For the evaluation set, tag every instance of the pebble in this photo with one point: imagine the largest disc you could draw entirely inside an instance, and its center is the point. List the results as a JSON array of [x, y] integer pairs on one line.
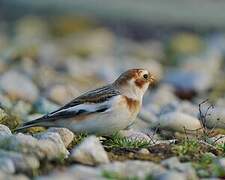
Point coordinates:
[[163, 95], [22, 163], [6, 176], [178, 121], [135, 135], [216, 119], [62, 93], [65, 134], [171, 163], [45, 106], [7, 165], [52, 144], [134, 168], [171, 175], [186, 169], [90, 152], [4, 131], [11, 82], [189, 81], [49, 145]]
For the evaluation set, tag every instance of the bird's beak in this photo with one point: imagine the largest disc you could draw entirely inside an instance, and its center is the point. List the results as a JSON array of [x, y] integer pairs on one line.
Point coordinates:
[[152, 79]]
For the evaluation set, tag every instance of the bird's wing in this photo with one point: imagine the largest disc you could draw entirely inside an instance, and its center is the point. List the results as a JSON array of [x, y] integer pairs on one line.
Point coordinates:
[[95, 101]]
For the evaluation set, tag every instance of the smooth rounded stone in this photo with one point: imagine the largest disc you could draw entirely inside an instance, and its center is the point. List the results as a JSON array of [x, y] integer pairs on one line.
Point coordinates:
[[7, 165], [135, 135], [139, 125], [188, 108], [95, 42], [6, 101], [45, 106], [50, 54], [221, 162], [48, 146], [171, 175], [85, 172], [133, 168], [177, 121], [22, 162], [18, 86], [143, 151], [147, 116], [186, 43], [188, 170], [65, 134], [162, 96], [62, 93], [78, 171], [189, 80], [171, 163], [6, 176], [52, 144], [216, 119], [4, 131], [170, 107], [90, 152], [211, 58], [22, 108]]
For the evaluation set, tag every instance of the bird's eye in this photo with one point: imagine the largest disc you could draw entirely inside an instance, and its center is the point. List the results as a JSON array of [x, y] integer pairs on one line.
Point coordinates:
[[145, 76]]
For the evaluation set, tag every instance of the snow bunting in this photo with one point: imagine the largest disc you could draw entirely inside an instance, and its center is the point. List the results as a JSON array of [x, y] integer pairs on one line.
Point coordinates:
[[102, 111]]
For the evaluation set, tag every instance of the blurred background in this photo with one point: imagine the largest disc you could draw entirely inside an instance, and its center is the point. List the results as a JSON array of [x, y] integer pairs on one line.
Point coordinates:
[[51, 51]]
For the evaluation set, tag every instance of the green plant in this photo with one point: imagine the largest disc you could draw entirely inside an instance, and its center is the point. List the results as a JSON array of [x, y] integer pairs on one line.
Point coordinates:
[[77, 139], [222, 147], [186, 147], [117, 141]]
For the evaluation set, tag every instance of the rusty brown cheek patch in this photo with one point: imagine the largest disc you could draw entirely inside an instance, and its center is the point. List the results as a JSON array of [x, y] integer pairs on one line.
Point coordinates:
[[139, 83], [133, 105]]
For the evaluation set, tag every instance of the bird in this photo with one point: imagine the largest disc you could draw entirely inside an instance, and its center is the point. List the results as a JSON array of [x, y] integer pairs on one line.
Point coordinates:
[[102, 111]]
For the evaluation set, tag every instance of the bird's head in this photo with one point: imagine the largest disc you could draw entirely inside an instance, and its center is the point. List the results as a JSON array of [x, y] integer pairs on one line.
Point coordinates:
[[134, 83]]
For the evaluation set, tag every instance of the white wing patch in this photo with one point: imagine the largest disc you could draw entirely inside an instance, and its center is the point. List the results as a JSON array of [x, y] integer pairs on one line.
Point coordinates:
[[84, 109]]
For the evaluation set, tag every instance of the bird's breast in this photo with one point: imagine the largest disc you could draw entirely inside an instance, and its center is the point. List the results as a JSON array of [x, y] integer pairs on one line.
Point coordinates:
[[132, 105]]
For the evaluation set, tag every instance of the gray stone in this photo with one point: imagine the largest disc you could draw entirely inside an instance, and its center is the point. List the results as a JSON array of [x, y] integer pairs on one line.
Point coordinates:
[[188, 108], [44, 106], [18, 86], [4, 131], [7, 165], [90, 152], [6, 176], [48, 146], [216, 119], [22, 108], [52, 144], [178, 121], [79, 171], [135, 135], [171, 175], [22, 163], [171, 163], [65, 134], [186, 169], [134, 168], [222, 162], [189, 80]]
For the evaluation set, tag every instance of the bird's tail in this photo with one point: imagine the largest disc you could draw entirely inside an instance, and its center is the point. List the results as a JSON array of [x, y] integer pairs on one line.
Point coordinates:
[[34, 123]]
